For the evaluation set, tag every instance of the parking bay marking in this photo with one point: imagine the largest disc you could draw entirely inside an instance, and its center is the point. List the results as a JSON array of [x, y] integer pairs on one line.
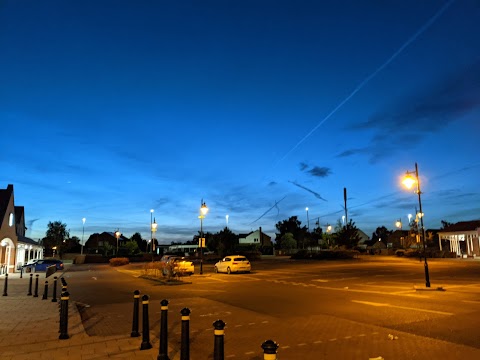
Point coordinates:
[[402, 307]]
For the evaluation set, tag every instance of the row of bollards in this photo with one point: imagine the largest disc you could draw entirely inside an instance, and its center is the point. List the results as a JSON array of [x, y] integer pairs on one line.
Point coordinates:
[[64, 297], [269, 347]]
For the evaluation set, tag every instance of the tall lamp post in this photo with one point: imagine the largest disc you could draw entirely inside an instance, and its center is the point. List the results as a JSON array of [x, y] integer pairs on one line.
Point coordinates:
[[203, 212], [398, 224], [117, 235], [83, 233], [411, 177], [153, 229]]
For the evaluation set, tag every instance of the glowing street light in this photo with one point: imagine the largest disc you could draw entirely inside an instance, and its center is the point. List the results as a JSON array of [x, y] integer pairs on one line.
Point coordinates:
[[226, 218], [154, 230], [398, 223], [203, 212], [411, 177], [117, 235]]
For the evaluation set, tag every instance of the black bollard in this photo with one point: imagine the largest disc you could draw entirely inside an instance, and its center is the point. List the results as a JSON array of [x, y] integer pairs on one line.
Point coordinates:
[[5, 285], [185, 346], [30, 285], [163, 351], [21, 272], [64, 315], [269, 350], [45, 291], [136, 300], [218, 348], [35, 294], [54, 292], [145, 327]]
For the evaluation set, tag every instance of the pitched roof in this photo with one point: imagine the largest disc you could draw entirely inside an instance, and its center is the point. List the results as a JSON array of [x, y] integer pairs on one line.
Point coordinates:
[[463, 226], [5, 196], [26, 240]]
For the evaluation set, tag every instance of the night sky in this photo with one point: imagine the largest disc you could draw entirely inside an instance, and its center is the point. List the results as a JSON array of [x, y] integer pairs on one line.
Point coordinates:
[[261, 108]]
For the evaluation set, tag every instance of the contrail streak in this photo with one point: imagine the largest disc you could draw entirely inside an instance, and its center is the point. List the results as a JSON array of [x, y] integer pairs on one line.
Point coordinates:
[[372, 75]]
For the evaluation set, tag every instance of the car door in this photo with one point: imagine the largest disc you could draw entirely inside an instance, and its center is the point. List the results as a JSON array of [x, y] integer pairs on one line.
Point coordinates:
[[40, 265], [224, 264]]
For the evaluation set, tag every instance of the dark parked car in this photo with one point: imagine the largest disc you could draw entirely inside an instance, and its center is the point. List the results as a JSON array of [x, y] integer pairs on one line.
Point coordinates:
[[42, 264]]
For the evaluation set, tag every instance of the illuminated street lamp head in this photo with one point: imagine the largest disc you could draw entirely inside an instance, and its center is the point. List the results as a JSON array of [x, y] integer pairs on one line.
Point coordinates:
[[306, 208], [398, 223], [117, 234], [154, 225], [203, 209], [329, 228], [83, 220], [409, 180]]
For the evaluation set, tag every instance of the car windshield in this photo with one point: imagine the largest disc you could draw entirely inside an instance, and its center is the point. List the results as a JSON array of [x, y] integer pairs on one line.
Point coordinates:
[[240, 259]]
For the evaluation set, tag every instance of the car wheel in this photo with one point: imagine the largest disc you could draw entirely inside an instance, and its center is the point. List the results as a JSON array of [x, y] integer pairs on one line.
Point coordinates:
[[228, 270], [215, 270]]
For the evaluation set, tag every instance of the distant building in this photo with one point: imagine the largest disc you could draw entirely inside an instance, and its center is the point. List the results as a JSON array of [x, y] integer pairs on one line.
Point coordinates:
[[462, 238], [16, 249], [256, 237], [104, 243]]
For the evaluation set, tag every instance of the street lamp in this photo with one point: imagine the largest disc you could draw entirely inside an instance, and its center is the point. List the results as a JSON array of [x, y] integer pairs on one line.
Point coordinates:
[[203, 212], [411, 177], [151, 232], [117, 235], [153, 229], [398, 224], [83, 233], [226, 218]]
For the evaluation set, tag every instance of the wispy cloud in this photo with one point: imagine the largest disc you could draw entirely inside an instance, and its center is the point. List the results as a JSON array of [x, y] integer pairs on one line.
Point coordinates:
[[430, 112], [317, 195], [318, 171]]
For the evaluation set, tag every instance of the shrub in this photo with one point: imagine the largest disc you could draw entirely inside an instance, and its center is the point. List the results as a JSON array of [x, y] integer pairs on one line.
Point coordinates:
[[118, 261]]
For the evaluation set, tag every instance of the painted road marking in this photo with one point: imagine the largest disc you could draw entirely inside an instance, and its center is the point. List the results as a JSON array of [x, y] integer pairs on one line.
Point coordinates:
[[401, 307]]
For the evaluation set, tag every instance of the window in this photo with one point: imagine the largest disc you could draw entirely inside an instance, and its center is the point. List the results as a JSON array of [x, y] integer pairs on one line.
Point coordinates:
[[10, 220]]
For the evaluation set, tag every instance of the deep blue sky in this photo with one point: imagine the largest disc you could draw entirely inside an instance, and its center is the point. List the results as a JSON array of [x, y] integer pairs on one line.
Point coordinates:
[[111, 108]]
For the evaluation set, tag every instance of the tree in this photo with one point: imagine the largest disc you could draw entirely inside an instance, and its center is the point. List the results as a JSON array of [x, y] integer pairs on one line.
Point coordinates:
[[141, 244], [223, 242], [131, 247], [56, 236], [445, 224], [347, 235], [293, 226], [288, 242], [381, 234]]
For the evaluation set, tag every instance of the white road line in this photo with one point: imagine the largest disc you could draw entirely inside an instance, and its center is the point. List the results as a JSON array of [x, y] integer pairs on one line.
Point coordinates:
[[265, 322], [347, 337], [250, 353], [402, 307], [334, 339], [285, 347], [302, 344], [471, 301], [318, 342]]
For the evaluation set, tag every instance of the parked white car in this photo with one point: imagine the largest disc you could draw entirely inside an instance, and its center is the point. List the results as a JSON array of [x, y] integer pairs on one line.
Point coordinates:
[[233, 263]]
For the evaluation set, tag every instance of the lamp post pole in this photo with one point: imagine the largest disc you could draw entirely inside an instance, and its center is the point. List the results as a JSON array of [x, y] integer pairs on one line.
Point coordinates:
[[203, 212], [408, 182], [117, 235], [83, 233], [151, 232], [427, 275]]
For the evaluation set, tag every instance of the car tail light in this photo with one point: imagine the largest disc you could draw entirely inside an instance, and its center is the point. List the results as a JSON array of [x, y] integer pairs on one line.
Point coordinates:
[[234, 263]]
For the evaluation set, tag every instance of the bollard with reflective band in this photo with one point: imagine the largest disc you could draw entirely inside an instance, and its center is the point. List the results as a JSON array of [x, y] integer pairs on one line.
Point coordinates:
[[136, 301], [35, 294], [64, 316], [163, 350], [185, 345], [54, 292], [5, 285], [269, 350], [145, 326], [218, 346], [30, 285], [45, 291]]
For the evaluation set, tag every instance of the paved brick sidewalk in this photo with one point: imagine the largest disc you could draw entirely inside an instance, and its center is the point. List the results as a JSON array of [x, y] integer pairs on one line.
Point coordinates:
[[29, 328]]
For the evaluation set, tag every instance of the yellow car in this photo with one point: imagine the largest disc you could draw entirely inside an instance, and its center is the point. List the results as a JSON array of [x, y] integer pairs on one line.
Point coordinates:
[[233, 263]]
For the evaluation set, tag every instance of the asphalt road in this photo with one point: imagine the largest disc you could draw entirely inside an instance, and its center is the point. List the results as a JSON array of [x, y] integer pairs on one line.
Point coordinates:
[[296, 303]]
